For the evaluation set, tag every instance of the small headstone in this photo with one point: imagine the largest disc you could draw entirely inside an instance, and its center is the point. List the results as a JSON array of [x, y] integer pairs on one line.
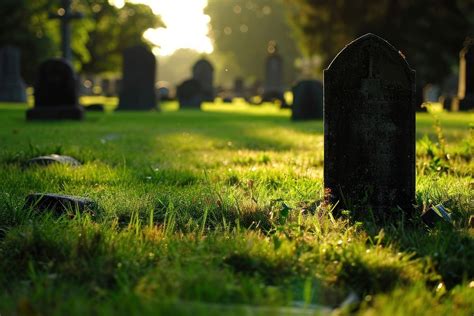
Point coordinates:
[[203, 72], [239, 88], [12, 87], [369, 128], [50, 159], [307, 100], [137, 91], [189, 94], [273, 88], [431, 93], [466, 77], [108, 88], [56, 93], [449, 91], [435, 215], [164, 94], [60, 204]]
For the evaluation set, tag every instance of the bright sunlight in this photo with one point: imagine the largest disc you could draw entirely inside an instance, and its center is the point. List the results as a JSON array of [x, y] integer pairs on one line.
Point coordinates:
[[186, 25]]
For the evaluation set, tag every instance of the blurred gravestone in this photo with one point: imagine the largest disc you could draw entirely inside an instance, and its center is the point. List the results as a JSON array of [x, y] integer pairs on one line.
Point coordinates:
[[273, 85], [137, 91], [431, 93], [239, 88], [12, 87], [189, 94], [204, 73], [307, 100], [449, 91], [466, 77], [369, 127], [108, 87], [56, 93]]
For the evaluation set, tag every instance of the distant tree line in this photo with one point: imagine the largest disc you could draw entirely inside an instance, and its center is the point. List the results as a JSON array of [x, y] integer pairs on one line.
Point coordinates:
[[430, 33]]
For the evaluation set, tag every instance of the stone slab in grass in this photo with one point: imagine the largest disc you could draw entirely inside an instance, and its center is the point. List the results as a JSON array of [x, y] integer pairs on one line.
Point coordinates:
[[51, 159], [60, 204]]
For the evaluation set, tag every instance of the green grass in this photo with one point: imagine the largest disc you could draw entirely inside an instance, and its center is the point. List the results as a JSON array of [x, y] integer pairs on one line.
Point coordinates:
[[202, 210]]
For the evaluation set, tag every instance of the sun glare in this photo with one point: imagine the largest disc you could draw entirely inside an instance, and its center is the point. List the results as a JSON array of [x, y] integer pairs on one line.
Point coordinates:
[[186, 26]]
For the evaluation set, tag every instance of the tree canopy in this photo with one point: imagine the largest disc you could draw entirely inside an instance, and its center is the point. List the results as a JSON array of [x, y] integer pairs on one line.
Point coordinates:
[[98, 38], [429, 33], [242, 29]]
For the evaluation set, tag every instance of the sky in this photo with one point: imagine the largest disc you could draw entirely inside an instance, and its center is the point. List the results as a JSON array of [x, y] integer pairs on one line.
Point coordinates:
[[186, 25]]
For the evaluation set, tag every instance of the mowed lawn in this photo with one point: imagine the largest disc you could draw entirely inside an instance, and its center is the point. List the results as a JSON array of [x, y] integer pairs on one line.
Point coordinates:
[[218, 212]]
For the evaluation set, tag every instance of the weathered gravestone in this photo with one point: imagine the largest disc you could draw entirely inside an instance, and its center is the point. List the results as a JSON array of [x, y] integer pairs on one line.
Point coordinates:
[[137, 91], [56, 93], [273, 88], [369, 127], [12, 87], [204, 73], [189, 94], [466, 77], [307, 100]]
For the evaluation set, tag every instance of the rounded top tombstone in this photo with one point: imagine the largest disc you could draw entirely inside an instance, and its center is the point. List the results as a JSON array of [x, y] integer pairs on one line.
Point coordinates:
[[369, 126], [56, 84]]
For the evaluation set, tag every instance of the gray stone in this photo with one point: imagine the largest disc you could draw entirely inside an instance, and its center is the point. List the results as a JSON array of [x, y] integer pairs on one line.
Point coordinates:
[[12, 87], [50, 159], [189, 94], [60, 204], [273, 88], [369, 128], [203, 72], [239, 88], [137, 91], [307, 100], [56, 93], [466, 77]]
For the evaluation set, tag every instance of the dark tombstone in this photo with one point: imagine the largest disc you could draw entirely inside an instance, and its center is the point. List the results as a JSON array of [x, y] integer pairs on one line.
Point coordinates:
[[52, 159], [189, 94], [55, 93], [204, 73], [239, 88], [108, 87], [273, 85], [164, 94], [137, 91], [60, 204], [449, 91], [307, 100], [369, 128], [12, 87], [431, 93], [466, 77]]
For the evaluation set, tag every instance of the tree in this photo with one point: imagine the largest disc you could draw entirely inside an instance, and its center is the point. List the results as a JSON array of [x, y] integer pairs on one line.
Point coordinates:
[[242, 29], [429, 33], [113, 30], [98, 38]]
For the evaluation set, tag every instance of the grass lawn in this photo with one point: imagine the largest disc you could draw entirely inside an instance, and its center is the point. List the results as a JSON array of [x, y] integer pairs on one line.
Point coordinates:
[[218, 212]]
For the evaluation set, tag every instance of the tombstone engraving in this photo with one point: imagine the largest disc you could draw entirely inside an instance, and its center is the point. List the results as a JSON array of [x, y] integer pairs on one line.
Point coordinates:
[[137, 88], [466, 77], [12, 87], [189, 94], [55, 93], [369, 128], [307, 100], [203, 71], [273, 88]]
